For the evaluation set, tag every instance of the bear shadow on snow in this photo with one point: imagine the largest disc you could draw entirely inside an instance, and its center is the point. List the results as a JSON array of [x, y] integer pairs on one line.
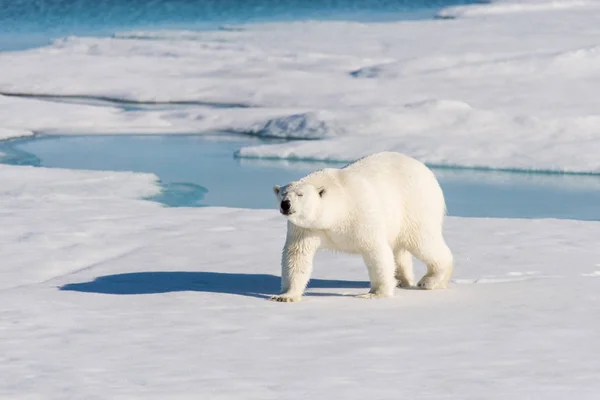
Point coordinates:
[[252, 285]]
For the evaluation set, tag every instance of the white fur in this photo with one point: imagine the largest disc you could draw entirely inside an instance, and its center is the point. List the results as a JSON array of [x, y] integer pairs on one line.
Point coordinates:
[[386, 207]]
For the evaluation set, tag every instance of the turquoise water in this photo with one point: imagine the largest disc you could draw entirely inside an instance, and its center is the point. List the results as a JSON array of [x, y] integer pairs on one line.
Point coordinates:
[[201, 171], [25, 16], [29, 23], [198, 171]]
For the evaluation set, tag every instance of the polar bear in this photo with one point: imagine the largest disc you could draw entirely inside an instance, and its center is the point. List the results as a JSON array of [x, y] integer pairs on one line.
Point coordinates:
[[385, 207]]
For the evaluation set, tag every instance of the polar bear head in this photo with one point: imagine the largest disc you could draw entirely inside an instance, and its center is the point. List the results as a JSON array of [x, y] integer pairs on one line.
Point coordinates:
[[302, 203]]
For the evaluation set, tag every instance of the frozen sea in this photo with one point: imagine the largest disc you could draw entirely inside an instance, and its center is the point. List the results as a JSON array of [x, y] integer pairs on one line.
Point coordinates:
[[202, 170], [139, 243]]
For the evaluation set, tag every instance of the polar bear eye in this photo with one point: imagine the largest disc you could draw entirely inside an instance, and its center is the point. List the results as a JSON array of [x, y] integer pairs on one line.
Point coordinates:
[[321, 192], [299, 194]]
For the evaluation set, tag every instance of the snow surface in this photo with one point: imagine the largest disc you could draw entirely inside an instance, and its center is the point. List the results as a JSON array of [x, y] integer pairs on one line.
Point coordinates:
[[511, 84], [6, 133], [105, 296], [514, 6], [22, 116]]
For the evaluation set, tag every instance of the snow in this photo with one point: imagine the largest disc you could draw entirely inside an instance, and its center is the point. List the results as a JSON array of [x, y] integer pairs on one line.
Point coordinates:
[[6, 133], [514, 6], [507, 85], [45, 213], [23, 116], [103, 295]]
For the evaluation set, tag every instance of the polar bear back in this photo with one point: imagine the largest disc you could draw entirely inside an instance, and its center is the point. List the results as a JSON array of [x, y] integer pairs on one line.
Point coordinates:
[[386, 191]]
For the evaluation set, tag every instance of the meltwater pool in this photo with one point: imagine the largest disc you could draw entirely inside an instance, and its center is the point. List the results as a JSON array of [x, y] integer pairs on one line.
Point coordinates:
[[200, 170]]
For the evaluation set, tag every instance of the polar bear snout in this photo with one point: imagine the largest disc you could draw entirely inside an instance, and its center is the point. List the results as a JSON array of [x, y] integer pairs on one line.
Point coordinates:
[[286, 207]]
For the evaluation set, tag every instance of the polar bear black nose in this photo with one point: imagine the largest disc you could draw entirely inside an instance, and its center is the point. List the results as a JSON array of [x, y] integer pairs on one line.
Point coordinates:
[[285, 206]]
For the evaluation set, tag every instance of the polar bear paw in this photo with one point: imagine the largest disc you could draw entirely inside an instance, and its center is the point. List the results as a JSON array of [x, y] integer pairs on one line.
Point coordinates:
[[285, 298], [432, 283], [404, 284], [376, 295]]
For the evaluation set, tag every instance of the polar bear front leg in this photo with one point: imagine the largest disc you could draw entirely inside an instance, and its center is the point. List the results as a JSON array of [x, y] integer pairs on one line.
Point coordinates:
[[382, 267], [296, 267]]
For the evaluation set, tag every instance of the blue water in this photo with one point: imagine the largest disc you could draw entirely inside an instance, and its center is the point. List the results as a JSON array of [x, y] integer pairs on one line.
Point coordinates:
[[198, 171], [201, 171], [28, 23]]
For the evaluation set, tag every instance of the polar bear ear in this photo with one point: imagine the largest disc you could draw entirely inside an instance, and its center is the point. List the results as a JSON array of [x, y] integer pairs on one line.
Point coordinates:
[[321, 192], [276, 189]]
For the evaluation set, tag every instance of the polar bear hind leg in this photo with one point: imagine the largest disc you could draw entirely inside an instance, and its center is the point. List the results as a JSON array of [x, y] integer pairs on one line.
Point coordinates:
[[436, 255], [381, 267], [404, 267]]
